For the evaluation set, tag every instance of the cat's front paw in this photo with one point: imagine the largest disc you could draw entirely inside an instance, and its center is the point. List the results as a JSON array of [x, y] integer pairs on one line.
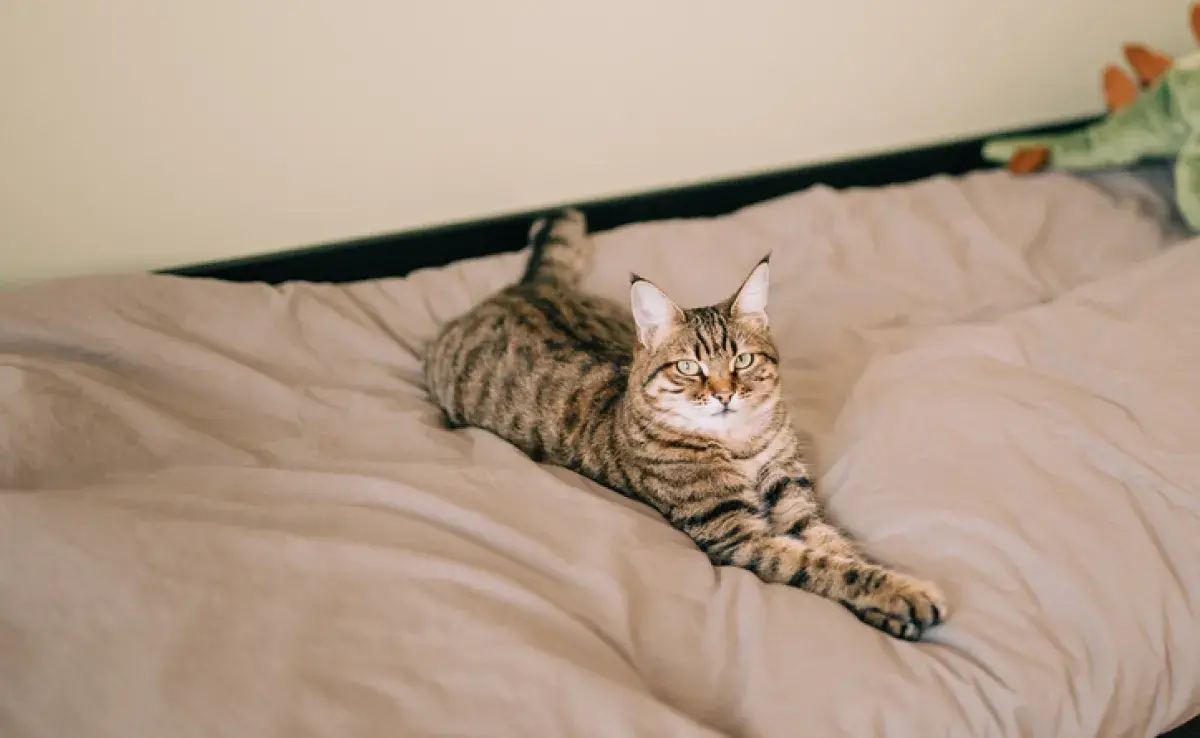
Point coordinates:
[[901, 606]]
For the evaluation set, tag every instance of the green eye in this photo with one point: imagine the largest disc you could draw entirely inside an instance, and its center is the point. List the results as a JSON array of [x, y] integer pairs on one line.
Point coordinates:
[[743, 360], [687, 368]]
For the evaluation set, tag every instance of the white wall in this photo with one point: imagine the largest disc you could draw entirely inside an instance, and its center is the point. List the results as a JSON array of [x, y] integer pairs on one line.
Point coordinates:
[[139, 134]]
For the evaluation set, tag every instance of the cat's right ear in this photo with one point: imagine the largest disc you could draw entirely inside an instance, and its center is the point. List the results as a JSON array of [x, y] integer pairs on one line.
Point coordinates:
[[653, 312]]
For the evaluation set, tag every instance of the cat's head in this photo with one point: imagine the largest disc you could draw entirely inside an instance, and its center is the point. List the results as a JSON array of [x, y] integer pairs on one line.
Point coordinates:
[[710, 369]]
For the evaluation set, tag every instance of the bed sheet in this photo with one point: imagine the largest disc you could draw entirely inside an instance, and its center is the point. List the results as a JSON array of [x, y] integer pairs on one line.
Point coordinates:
[[1151, 183], [229, 509]]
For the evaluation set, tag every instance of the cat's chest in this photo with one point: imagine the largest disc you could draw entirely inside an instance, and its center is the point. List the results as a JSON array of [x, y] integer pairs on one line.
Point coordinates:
[[751, 466]]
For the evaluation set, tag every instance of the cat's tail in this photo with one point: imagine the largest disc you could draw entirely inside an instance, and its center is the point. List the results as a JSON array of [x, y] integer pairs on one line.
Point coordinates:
[[561, 249]]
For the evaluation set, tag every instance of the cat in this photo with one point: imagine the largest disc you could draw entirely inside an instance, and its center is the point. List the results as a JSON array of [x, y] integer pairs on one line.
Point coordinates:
[[681, 409]]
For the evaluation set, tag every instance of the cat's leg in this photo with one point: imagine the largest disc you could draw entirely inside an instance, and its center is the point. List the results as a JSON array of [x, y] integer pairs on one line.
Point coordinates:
[[732, 531], [898, 604], [832, 566], [726, 516], [561, 249], [791, 508]]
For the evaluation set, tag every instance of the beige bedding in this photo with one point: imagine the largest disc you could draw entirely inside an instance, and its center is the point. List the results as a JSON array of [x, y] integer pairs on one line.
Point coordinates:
[[228, 509]]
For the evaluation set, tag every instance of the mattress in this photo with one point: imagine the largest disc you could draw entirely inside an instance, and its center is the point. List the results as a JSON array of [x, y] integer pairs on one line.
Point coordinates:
[[230, 510]]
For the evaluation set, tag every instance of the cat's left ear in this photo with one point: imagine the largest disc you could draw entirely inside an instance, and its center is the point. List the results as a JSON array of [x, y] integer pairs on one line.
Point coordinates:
[[750, 302]]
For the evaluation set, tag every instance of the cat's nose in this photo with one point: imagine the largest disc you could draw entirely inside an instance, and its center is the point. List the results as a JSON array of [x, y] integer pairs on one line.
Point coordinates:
[[724, 397]]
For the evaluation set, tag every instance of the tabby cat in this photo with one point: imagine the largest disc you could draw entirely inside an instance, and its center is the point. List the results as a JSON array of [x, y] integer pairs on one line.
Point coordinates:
[[681, 409]]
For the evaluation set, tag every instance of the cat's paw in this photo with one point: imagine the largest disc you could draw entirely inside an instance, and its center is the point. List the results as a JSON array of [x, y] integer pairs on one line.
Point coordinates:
[[902, 606]]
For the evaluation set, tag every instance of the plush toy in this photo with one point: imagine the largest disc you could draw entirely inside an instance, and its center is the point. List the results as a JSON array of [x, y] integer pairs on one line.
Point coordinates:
[[1157, 117]]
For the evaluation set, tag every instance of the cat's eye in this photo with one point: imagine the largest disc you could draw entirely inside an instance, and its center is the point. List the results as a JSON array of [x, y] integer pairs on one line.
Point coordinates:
[[743, 360], [687, 368]]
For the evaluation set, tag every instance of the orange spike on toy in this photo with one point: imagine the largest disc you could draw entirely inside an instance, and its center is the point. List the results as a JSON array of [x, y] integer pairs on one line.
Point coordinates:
[[1148, 63], [1196, 21], [1120, 91], [1028, 160]]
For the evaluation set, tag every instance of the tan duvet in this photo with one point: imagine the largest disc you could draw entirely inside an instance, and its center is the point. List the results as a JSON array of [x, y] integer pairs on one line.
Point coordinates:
[[228, 510]]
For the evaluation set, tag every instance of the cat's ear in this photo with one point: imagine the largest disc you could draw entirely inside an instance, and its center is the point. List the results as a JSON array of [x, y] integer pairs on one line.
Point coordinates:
[[750, 302], [654, 312]]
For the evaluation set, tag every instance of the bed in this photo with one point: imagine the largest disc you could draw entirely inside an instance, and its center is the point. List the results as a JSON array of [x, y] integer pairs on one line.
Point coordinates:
[[229, 509]]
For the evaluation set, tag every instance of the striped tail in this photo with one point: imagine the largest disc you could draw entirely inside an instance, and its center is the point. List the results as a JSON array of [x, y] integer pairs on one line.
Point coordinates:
[[561, 249]]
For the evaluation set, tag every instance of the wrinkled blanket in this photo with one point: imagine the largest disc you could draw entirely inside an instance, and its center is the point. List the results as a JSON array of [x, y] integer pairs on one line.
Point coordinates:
[[229, 509]]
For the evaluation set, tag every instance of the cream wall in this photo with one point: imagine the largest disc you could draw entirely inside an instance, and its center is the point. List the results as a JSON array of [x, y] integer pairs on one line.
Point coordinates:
[[145, 134]]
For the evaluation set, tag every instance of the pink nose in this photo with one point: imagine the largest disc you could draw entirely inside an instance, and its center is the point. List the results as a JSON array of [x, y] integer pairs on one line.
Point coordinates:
[[724, 397]]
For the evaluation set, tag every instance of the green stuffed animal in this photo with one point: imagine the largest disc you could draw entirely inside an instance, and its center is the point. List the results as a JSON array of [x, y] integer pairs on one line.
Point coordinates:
[[1161, 121]]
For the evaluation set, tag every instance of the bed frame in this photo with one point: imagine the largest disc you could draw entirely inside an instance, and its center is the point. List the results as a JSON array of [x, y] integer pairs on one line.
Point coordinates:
[[398, 254]]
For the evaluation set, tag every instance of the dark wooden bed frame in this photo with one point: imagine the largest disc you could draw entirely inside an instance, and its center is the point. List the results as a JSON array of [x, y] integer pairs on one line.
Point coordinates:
[[398, 254]]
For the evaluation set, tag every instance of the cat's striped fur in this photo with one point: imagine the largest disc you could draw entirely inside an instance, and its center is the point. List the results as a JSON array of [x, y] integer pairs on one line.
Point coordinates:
[[660, 408]]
